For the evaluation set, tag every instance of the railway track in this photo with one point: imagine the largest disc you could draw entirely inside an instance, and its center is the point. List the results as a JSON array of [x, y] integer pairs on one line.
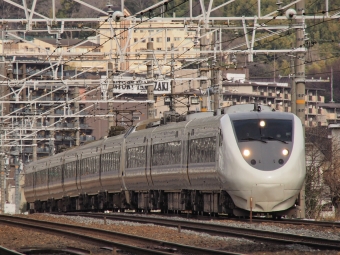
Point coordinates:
[[5, 251], [295, 222], [261, 220], [104, 238], [222, 230]]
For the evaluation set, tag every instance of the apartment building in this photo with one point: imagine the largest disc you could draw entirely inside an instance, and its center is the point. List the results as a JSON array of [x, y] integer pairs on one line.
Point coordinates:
[[49, 49], [238, 88], [131, 36]]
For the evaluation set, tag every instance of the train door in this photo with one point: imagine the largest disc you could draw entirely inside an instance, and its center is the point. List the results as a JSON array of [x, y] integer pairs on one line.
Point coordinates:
[[34, 183], [148, 161], [48, 178], [63, 175], [100, 169], [78, 172], [123, 165], [186, 156]]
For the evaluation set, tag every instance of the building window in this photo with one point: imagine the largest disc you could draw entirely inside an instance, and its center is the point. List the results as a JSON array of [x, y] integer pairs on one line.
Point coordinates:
[[151, 39], [176, 39], [135, 40], [47, 48], [168, 39], [159, 39], [159, 48]]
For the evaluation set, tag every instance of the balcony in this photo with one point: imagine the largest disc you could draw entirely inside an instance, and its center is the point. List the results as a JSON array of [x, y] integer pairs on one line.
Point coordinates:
[[28, 150], [311, 111], [43, 150], [61, 112], [64, 125], [87, 138]]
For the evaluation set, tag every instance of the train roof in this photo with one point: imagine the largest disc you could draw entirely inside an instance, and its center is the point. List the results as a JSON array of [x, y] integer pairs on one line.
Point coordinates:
[[153, 126]]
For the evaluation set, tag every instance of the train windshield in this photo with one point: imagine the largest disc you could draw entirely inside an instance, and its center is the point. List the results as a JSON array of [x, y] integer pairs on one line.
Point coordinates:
[[263, 130]]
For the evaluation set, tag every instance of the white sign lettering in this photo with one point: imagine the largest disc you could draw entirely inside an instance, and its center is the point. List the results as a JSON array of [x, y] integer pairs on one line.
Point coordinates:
[[128, 85]]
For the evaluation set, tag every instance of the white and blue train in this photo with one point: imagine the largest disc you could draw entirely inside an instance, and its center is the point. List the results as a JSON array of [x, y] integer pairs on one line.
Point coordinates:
[[246, 159]]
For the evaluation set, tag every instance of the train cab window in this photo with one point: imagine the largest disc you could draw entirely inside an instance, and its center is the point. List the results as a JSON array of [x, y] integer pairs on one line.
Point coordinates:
[[266, 129]]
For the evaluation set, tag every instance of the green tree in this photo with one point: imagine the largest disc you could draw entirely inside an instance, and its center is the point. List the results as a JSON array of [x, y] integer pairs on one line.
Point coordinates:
[[116, 130]]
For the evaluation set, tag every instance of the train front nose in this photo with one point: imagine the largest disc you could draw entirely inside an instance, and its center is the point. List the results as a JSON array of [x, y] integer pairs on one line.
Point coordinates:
[[271, 197]]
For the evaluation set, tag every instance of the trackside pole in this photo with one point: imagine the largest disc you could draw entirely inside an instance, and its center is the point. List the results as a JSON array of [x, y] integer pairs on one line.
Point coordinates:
[[251, 210]]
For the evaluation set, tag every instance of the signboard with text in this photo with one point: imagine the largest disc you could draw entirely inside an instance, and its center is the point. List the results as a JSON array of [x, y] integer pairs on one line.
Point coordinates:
[[130, 86]]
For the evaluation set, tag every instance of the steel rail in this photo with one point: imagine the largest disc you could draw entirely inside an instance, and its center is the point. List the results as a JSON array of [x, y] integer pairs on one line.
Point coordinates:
[[78, 232], [5, 251], [223, 230], [329, 224]]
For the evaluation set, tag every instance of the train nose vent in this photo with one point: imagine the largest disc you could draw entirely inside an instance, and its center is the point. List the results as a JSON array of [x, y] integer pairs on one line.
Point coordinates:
[[281, 161], [253, 162]]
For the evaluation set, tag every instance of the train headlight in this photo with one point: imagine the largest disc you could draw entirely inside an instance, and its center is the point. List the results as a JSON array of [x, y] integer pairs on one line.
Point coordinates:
[[285, 152], [246, 152], [262, 123]]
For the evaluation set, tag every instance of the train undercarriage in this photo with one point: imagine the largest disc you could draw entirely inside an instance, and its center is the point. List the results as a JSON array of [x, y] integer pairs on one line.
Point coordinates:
[[140, 201], [184, 201]]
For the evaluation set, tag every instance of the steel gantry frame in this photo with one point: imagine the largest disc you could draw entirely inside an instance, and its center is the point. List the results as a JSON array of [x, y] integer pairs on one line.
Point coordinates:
[[17, 128]]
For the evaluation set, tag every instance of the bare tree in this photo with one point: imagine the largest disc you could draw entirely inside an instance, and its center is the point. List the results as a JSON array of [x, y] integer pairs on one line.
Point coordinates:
[[323, 171], [313, 181], [332, 174]]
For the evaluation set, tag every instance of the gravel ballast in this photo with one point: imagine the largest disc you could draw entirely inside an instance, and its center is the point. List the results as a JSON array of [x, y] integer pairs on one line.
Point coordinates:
[[16, 238]]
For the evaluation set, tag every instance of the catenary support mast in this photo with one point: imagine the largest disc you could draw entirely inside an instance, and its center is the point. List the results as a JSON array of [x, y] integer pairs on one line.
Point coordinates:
[[300, 81]]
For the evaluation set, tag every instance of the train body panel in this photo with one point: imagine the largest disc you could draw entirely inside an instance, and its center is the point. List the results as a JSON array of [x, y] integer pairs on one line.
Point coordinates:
[[243, 160], [55, 177], [136, 164], [203, 149], [169, 169], [71, 187], [89, 166], [29, 183], [110, 164]]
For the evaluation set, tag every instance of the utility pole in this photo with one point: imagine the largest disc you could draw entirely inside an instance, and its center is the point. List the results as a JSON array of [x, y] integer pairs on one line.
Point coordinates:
[[76, 110], [52, 132], [217, 83], [204, 68], [332, 99], [218, 97], [293, 85], [300, 83], [110, 94], [2, 154], [18, 169], [2, 172], [150, 85], [172, 103]]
